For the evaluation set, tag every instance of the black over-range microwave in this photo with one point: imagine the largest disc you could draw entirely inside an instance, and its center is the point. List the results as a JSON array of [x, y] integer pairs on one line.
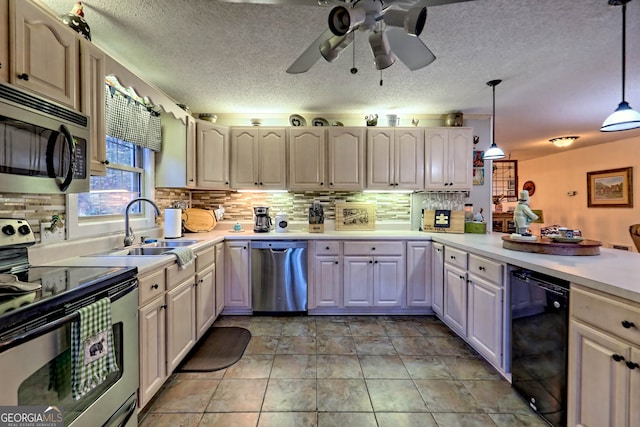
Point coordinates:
[[44, 147]]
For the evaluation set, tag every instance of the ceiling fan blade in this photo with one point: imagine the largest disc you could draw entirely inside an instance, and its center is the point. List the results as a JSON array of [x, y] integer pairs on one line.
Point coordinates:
[[310, 56], [314, 3], [409, 49], [407, 4]]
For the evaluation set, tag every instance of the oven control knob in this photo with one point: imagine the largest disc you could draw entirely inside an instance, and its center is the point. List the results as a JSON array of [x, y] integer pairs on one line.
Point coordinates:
[[24, 229], [9, 230]]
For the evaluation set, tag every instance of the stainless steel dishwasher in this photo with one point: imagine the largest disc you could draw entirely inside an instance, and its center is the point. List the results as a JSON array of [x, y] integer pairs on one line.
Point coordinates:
[[279, 276]]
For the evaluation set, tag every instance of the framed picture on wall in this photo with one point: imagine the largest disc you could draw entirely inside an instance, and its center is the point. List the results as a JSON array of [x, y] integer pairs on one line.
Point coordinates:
[[478, 159], [611, 188], [478, 176]]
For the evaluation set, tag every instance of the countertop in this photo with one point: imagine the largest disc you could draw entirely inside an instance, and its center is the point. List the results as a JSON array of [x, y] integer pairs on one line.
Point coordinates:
[[613, 271]]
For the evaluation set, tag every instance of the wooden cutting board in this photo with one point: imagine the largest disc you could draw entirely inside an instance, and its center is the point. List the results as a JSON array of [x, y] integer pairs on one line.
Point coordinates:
[[196, 220]]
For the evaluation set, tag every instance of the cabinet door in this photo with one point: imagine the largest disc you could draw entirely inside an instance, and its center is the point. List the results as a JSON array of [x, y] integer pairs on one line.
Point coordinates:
[[92, 83], [598, 385], [389, 284], [634, 390], [437, 278], [435, 159], [419, 271], [272, 159], [460, 158], [237, 285], [4, 40], [212, 148], [244, 158], [455, 299], [484, 324], [327, 281], [358, 281], [409, 159], [205, 300], [307, 158], [380, 159], [181, 323], [153, 356], [44, 54], [219, 278], [173, 163], [346, 158]]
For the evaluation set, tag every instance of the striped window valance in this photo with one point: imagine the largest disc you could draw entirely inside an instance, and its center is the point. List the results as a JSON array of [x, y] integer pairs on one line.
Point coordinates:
[[131, 120]]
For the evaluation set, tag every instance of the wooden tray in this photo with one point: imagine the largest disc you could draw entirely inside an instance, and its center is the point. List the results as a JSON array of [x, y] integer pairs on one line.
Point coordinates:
[[545, 245], [196, 220]]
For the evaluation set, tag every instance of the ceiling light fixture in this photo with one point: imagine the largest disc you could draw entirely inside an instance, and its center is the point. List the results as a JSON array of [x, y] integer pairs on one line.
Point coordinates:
[[331, 48], [563, 141], [382, 55], [494, 152], [412, 20], [624, 118]]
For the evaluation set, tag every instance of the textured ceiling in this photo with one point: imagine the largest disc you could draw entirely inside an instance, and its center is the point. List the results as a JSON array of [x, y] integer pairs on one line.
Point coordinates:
[[560, 62]]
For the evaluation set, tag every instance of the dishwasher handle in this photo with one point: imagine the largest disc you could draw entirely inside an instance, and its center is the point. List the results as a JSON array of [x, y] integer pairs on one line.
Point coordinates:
[[278, 245]]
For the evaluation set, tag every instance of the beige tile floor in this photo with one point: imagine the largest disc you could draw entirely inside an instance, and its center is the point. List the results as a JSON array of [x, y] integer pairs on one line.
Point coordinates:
[[322, 371]]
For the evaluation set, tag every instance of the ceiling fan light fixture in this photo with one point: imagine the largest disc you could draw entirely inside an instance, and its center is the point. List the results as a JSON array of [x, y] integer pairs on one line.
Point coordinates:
[[343, 19], [412, 20], [330, 49], [624, 118], [563, 141], [382, 55], [494, 152]]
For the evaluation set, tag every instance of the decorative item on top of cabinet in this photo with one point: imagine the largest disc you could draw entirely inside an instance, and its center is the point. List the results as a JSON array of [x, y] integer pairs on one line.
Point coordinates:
[[35, 36], [395, 158], [258, 158], [212, 149], [74, 19], [448, 158]]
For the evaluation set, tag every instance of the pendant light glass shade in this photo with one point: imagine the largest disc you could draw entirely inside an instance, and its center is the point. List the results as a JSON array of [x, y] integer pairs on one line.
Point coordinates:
[[494, 152], [624, 118]]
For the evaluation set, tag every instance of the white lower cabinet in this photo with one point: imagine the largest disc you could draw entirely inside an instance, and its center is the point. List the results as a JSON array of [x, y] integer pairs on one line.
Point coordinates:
[[419, 274], [205, 290], [219, 276], [327, 274], [237, 273], [454, 312], [437, 278], [484, 316], [153, 357], [181, 330], [604, 360]]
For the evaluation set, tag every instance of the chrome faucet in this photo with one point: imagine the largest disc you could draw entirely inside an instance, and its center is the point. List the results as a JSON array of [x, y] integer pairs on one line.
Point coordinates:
[[128, 232]]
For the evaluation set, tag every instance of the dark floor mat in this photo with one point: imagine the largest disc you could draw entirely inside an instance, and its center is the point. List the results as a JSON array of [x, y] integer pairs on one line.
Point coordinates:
[[220, 348]]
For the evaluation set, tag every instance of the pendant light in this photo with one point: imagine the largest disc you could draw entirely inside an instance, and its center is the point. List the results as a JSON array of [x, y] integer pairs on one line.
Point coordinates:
[[494, 152], [624, 118]]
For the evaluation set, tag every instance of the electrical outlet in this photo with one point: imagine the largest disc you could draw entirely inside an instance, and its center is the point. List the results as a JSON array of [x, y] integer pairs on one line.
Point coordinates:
[[48, 235]]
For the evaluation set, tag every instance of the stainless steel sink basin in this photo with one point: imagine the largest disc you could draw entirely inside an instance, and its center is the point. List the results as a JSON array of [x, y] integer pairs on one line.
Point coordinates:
[[145, 250], [176, 243]]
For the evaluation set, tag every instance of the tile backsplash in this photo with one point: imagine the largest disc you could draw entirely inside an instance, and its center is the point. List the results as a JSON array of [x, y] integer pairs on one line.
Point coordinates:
[[239, 206], [35, 208]]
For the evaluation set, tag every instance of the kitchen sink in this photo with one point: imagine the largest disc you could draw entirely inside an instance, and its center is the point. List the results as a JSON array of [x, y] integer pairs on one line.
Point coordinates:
[[176, 243], [155, 248]]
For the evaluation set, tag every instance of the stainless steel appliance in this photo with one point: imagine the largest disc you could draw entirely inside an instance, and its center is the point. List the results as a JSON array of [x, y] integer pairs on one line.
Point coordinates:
[[37, 308], [262, 220], [539, 339], [279, 276], [44, 147]]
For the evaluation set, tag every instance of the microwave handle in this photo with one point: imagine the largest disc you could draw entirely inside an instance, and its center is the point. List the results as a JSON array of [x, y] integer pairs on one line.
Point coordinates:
[[51, 147]]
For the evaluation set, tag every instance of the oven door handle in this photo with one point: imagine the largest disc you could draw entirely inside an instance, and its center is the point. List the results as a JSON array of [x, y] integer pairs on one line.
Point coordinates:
[[71, 146]]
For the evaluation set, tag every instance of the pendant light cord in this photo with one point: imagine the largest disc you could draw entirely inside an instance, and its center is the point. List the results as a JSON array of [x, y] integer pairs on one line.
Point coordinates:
[[493, 129], [624, 46]]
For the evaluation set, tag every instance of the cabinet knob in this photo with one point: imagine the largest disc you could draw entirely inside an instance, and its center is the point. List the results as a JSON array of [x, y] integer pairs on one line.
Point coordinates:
[[164, 306], [452, 257], [335, 262], [373, 248], [370, 261], [155, 286], [255, 183], [462, 277], [261, 183], [391, 184], [632, 365], [627, 325], [617, 357], [24, 76], [331, 183], [105, 162], [322, 183], [481, 268], [375, 262]]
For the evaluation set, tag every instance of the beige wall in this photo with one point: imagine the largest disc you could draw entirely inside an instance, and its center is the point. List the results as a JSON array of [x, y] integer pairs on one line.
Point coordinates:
[[566, 171]]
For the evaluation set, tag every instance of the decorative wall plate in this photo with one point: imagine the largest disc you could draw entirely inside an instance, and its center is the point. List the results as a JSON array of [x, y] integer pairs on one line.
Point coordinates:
[[530, 187], [319, 121], [297, 120]]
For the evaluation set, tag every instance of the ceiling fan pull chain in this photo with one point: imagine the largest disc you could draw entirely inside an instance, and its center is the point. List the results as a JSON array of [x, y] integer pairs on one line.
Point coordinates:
[[380, 77], [354, 70]]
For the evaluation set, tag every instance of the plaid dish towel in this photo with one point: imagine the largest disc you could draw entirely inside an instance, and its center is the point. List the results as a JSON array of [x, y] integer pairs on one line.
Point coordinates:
[[92, 351], [184, 256]]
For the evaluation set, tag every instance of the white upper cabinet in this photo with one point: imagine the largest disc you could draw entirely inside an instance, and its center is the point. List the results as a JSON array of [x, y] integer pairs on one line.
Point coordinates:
[[212, 148], [307, 147], [258, 158], [346, 158], [448, 158], [176, 163], [395, 158]]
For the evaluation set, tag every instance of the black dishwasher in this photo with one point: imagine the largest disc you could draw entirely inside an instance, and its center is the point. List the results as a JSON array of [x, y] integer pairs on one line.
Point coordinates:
[[539, 338]]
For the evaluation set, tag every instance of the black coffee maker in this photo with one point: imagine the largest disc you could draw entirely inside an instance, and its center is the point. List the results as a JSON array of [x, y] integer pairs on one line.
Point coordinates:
[[262, 220]]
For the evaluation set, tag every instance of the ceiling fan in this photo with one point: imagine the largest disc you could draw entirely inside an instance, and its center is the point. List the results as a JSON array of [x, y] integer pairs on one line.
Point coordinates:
[[394, 28]]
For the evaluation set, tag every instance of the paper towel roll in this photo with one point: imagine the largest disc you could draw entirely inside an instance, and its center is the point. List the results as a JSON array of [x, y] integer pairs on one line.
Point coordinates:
[[172, 223]]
